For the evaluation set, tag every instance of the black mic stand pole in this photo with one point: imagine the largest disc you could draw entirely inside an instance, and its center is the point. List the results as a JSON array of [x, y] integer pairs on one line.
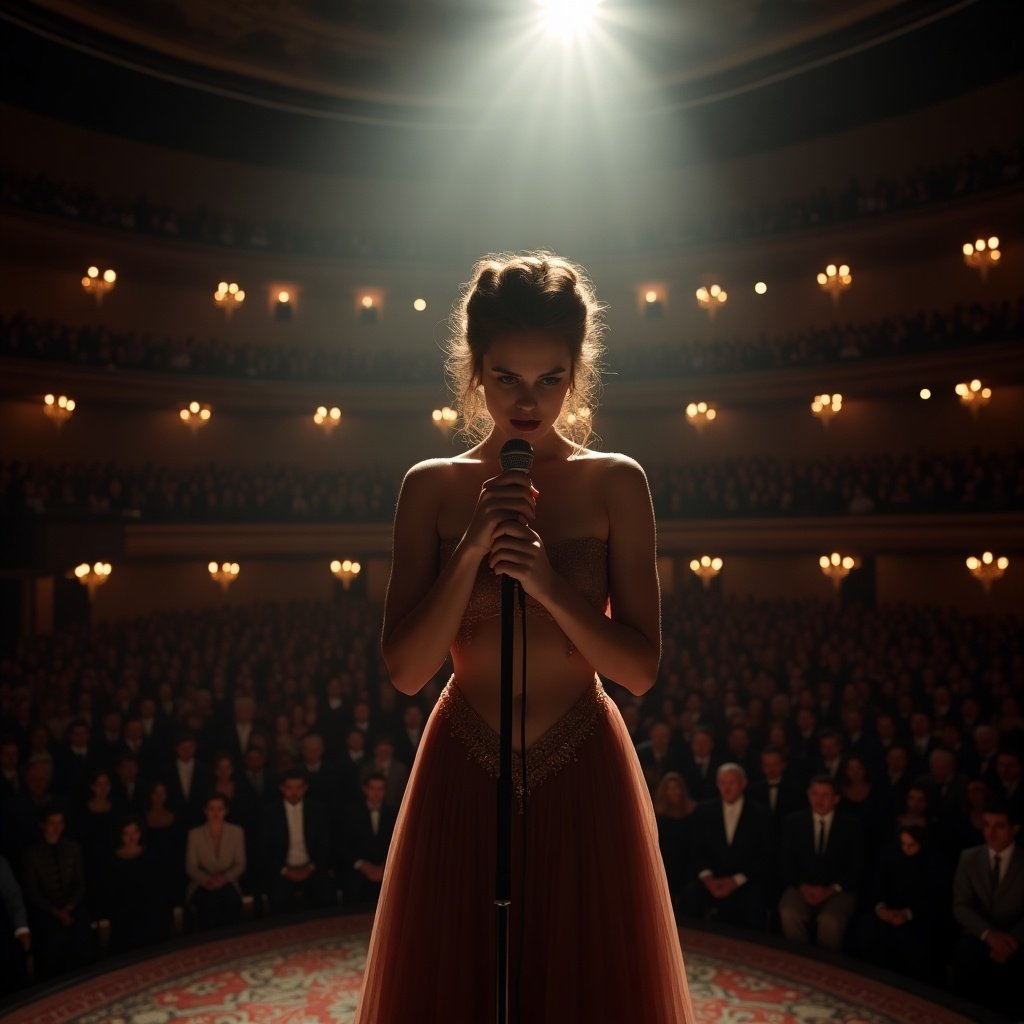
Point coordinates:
[[503, 873]]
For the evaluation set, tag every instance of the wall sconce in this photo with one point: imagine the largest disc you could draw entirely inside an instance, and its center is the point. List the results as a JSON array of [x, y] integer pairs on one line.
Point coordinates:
[[58, 408], [346, 571], [707, 567], [228, 297], [225, 573], [760, 288], [92, 577], [326, 418], [827, 406], [987, 569], [97, 283], [712, 298], [699, 415], [444, 419], [837, 567], [835, 280], [419, 305], [283, 306], [973, 395], [654, 308], [367, 310], [195, 415], [982, 255]]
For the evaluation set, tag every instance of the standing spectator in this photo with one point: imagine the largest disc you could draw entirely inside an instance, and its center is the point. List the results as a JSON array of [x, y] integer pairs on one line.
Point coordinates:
[[673, 810], [15, 937], [54, 880], [214, 862], [988, 904], [371, 824], [731, 836], [296, 845], [139, 913], [822, 855]]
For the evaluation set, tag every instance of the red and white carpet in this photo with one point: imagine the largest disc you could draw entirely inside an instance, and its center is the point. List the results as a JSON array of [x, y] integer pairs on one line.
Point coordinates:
[[309, 973]]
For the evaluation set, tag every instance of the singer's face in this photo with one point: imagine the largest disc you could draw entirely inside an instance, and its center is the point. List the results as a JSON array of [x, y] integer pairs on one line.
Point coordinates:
[[526, 377]]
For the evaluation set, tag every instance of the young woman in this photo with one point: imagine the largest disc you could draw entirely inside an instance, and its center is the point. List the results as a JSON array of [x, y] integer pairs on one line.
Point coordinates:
[[592, 935]]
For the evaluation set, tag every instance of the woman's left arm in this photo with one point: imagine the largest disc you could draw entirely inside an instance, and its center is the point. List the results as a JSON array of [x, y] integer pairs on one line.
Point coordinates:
[[627, 646]]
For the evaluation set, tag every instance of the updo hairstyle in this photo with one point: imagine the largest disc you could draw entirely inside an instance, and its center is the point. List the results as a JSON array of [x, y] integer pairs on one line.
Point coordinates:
[[534, 292]]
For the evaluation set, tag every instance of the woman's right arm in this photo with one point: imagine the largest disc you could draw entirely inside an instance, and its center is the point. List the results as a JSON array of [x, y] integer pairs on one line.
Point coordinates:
[[424, 606]]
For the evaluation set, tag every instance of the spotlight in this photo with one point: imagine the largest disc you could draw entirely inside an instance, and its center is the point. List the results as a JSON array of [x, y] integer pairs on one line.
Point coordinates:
[[568, 18]]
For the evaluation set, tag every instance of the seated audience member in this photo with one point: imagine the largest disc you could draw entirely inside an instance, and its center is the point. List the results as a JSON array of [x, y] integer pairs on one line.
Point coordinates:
[[407, 739], [93, 826], [371, 824], [214, 863], [10, 768], [700, 766], [296, 846], [971, 827], [946, 787], [396, 774], [257, 778], [15, 937], [325, 781], [830, 755], [130, 789], [903, 922], [731, 837], [166, 837], [1008, 784], [656, 755], [673, 810], [54, 886], [185, 782], [988, 904], [776, 789], [821, 856], [984, 752], [138, 909], [21, 814], [895, 782], [860, 798]]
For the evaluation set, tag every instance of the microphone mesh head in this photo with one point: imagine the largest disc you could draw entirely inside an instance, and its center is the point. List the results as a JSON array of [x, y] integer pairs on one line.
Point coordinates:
[[516, 454]]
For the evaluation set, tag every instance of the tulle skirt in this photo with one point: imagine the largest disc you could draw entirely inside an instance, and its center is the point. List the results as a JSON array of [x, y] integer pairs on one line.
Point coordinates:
[[597, 941]]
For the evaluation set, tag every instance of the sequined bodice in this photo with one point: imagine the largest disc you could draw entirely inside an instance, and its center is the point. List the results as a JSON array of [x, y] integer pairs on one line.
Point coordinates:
[[582, 561]]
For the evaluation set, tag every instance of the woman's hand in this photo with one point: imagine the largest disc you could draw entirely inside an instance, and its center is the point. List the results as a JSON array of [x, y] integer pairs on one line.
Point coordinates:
[[518, 551], [509, 496]]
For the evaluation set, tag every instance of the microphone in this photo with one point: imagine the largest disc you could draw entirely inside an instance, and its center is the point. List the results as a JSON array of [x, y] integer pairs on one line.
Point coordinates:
[[516, 453]]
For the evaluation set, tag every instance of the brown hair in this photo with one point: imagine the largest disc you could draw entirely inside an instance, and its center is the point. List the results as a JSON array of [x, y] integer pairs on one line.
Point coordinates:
[[538, 291]]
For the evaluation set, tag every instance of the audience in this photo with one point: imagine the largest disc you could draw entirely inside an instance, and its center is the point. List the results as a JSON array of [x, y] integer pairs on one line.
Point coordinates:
[[214, 863]]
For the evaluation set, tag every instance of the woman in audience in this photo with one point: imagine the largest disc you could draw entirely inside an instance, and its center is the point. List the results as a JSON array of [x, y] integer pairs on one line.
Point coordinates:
[[139, 914], [860, 799], [904, 919], [673, 806], [94, 828], [214, 862], [166, 840], [970, 826]]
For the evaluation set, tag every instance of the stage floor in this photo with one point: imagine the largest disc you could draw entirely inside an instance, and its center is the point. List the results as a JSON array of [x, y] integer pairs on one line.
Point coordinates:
[[309, 973]]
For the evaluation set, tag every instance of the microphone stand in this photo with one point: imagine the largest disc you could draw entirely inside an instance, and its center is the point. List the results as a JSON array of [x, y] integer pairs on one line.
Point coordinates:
[[503, 872]]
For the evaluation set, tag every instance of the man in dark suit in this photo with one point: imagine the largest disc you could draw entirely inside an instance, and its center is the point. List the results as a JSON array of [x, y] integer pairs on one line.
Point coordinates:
[[407, 739], [371, 824], [129, 789], [731, 836], [776, 790], [988, 904], [296, 845], [10, 768], [237, 735], [75, 762], [384, 763], [656, 754], [821, 856], [186, 780], [1009, 784], [700, 766]]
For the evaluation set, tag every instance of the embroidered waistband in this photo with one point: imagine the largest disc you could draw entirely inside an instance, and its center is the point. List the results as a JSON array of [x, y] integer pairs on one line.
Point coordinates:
[[554, 750]]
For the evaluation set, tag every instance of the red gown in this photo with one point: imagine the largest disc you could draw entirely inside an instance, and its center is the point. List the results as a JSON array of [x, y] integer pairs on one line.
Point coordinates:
[[598, 941]]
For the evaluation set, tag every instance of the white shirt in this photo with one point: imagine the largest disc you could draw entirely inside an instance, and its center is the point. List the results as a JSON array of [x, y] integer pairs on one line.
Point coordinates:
[[731, 817], [186, 770], [298, 855], [244, 731], [773, 792]]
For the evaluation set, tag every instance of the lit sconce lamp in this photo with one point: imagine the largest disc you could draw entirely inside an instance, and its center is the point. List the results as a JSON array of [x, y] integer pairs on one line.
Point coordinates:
[[711, 298], [59, 408], [974, 395], [367, 310], [444, 419], [699, 415], [283, 306], [760, 288], [195, 415], [419, 305], [92, 577], [97, 283], [826, 406], [228, 296], [837, 567], [982, 254], [654, 308], [326, 418], [346, 571], [707, 567], [224, 573], [835, 280], [584, 415], [987, 569], [925, 394]]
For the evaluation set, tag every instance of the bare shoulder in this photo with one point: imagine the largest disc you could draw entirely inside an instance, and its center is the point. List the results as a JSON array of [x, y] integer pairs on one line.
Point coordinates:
[[614, 469]]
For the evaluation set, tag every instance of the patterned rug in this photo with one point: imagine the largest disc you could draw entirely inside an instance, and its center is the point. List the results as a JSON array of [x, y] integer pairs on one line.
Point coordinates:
[[309, 973]]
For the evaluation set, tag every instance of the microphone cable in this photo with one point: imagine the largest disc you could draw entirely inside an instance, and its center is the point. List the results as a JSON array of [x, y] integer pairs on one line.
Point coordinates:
[[521, 594]]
